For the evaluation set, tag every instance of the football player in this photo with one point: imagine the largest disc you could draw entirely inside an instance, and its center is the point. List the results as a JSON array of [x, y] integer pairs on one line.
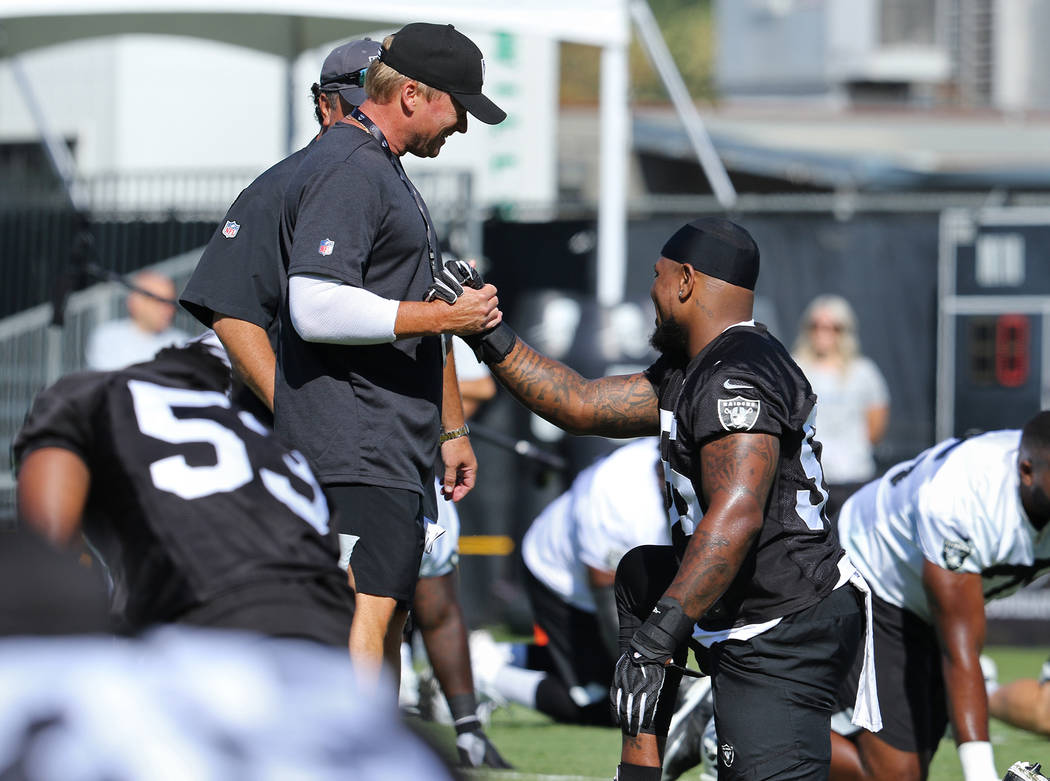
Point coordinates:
[[198, 513], [570, 554], [1024, 703], [755, 572], [936, 537]]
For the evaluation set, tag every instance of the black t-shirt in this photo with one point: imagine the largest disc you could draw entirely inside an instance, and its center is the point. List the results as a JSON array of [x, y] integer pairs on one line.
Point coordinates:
[[240, 273], [362, 414], [745, 381], [190, 498]]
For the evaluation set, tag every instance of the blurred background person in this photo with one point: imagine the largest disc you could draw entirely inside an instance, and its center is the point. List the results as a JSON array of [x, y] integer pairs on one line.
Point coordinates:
[[570, 552], [1024, 703], [148, 328], [852, 394]]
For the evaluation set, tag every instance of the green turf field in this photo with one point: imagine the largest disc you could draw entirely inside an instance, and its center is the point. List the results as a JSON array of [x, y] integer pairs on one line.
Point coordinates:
[[542, 750]]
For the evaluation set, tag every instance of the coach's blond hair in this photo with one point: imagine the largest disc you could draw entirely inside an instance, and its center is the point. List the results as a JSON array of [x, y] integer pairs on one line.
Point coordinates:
[[382, 83]]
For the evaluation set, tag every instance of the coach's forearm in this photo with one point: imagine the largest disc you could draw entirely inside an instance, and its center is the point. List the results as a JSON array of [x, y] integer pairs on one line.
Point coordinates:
[[621, 406]]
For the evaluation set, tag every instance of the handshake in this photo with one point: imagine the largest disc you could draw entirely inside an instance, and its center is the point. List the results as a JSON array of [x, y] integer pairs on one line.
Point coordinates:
[[490, 346]]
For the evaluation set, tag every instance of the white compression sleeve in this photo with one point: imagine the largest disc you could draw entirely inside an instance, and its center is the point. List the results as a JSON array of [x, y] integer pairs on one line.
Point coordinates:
[[326, 310]]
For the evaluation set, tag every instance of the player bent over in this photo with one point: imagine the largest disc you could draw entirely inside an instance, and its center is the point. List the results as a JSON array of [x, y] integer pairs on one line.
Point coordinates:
[[199, 514], [936, 537]]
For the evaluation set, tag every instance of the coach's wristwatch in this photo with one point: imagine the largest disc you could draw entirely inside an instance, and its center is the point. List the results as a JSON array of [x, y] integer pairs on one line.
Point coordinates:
[[455, 433]]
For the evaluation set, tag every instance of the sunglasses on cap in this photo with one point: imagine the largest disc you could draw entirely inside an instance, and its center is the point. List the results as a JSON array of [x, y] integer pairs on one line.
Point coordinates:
[[352, 79]]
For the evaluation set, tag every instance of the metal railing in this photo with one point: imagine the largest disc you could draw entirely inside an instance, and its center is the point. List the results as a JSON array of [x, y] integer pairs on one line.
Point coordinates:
[[34, 353], [135, 219]]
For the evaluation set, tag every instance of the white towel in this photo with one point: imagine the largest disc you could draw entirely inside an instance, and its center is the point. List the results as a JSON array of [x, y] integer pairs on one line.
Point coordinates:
[[866, 712]]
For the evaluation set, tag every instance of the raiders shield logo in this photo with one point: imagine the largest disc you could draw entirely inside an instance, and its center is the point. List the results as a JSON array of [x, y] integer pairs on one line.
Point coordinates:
[[728, 754], [738, 413], [955, 553]]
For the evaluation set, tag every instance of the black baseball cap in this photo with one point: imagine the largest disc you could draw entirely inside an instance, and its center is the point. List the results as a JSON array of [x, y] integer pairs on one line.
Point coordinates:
[[344, 69], [442, 57]]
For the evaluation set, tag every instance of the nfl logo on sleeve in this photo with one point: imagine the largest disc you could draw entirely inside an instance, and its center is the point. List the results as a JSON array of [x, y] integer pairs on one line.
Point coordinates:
[[230, 229], [326, 247]]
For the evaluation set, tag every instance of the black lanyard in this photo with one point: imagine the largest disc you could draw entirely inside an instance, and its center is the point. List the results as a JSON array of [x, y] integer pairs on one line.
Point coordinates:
[[371, 127]]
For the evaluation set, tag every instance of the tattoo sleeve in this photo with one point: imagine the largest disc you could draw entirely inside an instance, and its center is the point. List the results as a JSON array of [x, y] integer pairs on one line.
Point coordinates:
[[621, 406], [737, 472]]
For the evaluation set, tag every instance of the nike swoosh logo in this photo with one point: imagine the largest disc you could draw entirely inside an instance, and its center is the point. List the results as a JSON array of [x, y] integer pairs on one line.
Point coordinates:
[[730, 385]]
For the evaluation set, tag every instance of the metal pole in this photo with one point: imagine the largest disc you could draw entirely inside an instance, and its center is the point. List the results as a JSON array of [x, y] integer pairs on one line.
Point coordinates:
[[289, 105], [612, 198], [58, 154], [655, 46]]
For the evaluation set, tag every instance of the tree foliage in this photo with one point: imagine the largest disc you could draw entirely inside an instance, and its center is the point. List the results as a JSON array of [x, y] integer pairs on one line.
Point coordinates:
[[687, 27]]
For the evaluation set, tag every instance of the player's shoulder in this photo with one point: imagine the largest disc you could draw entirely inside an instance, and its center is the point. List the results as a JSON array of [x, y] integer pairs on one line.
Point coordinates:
[[63, 412], [967, 475], [746, 358], [982, 455], [747, 345], [76, 387]]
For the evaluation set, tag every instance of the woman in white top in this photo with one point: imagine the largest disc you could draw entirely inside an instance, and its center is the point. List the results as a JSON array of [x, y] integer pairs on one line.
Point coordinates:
[[853, 407]]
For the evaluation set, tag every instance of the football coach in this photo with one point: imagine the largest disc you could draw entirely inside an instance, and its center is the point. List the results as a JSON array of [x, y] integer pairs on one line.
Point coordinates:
[[364, 387]]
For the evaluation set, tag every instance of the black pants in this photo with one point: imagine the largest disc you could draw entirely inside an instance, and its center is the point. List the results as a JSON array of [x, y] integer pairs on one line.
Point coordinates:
[[775, 693], [577, 657], [912, 697]]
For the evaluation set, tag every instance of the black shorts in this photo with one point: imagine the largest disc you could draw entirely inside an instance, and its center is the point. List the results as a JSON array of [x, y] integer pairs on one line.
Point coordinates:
[[388, 526], [774, 694], [318, 609], [578, 655], [910, 684]]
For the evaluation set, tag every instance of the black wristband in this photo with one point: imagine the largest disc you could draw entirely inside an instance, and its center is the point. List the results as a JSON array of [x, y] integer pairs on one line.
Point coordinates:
[[494, 345], [664, 631]]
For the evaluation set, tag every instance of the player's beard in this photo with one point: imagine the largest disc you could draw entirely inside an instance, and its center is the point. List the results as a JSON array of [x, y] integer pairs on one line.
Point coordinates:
[[671, 340]]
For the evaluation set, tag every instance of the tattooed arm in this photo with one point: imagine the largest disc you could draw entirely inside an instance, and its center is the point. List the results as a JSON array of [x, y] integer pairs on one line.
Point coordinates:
[[737, 475], [622, 406]]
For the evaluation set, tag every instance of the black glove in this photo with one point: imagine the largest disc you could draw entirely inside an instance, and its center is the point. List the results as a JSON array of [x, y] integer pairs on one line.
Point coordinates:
[[493, 345], [451, 279], [639, 675], [474, 747]]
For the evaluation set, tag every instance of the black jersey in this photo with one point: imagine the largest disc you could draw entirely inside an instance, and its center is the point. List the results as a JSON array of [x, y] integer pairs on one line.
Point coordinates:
[[240, 273], [745, 381], [362, 414], [191, 498]]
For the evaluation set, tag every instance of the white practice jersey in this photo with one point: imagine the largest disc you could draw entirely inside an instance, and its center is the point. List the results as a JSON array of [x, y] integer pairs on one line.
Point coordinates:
[[956, 505], [612, 506]]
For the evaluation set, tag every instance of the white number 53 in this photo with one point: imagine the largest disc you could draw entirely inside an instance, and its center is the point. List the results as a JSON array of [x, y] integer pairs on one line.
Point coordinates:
[[232, 468]]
